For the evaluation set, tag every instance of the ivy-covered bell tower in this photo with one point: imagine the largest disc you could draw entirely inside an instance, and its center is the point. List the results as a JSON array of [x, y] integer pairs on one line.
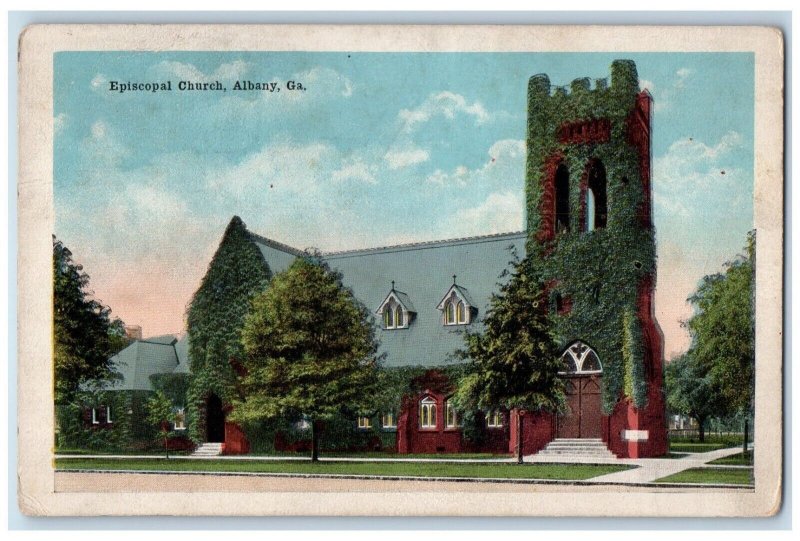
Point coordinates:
[[589, 221]]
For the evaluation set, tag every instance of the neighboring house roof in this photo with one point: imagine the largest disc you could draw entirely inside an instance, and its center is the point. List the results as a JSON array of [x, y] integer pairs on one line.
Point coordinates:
[[182, 352], [165, 354]]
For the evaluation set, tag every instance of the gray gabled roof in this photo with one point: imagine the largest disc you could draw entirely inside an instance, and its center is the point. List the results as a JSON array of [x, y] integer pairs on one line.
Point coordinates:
[[165, 354], [424, 272], [278, 256]]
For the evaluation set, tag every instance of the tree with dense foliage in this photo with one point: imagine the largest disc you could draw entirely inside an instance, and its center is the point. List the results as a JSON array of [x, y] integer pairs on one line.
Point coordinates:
[[311, 350], [85, 335], [161, 414], [215, 317], [513, 361], [690, 391], [723, 330]]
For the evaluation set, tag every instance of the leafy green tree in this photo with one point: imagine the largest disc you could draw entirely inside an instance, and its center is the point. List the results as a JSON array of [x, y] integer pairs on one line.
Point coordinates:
[[513, 362], [690, 391], [85, 334], [311, 350], [215, 317], [161, 414], [723, 330]]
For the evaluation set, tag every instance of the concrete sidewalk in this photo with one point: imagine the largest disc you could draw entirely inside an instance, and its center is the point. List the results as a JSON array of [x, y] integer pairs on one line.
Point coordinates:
[[650, 469]]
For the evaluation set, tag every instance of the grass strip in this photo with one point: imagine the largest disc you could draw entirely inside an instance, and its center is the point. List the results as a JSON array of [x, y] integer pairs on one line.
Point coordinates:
[[405, 469], [694, 447], [710, 476], [741, 459]]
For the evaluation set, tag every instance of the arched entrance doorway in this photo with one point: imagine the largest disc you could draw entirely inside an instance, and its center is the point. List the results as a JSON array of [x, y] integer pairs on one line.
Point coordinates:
[[582, 373], [215, 420]]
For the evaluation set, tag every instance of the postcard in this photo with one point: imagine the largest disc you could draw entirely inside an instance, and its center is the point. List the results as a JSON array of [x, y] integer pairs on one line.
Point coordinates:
[[400, 270]]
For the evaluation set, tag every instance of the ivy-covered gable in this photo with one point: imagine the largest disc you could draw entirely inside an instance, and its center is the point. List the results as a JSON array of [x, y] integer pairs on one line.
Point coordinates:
[[588, 215], [236, 273]]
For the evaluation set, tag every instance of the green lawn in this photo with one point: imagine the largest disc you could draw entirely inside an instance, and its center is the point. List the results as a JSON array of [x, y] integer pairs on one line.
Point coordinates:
[[710, 476], [673, 454], [415, 469], [119, 452], [381, 454], [742, 459], [695, 447]]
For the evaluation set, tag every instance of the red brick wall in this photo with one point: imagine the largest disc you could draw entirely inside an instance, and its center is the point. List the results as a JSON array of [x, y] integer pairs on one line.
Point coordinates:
[[538, 429], [235, 440]]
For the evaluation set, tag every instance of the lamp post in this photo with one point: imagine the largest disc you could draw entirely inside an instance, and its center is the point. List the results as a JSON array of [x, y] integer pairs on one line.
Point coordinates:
[[520, 415]]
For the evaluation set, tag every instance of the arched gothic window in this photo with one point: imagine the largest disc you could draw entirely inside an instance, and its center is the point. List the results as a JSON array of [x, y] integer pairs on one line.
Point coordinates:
[[461, 312], [450, 312], [562, 199], [451, 419], [398, 316], [427, 412], [580, 359], [388, 317], [596, 201]]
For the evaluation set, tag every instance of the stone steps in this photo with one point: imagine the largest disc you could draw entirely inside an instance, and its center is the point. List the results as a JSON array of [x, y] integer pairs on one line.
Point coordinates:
[[208, 449], [573, 447]]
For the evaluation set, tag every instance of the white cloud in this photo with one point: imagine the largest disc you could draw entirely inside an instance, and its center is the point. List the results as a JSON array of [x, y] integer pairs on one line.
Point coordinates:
[[406, 157], [59, 121], [355, 170], [446, 104], [99, 83], [189, 72], [699, 187], [323, 82], [501, 212], [506, 162], [683, 74], [284, 167]]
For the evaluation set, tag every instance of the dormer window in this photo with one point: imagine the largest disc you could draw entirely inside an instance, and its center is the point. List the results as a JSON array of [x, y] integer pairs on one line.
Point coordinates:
[[450, 312], [456, 306], [396, 310]]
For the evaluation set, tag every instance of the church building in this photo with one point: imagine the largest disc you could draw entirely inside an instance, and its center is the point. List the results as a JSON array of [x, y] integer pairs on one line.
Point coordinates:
[[589, 218]]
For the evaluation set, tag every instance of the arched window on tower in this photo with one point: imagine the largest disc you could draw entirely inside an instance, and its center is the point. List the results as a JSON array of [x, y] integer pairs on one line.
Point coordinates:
[[596, 201], [562, 199]]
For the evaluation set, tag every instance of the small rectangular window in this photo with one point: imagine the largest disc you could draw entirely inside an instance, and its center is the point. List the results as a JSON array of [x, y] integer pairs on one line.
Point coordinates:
[[95, 419], [364, 422], [180, 419], [451, 416], [388, 420], [494, 419], [108, 414]]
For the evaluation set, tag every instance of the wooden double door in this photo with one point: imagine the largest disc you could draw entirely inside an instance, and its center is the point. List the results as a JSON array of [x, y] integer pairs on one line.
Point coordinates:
[[583, 415]]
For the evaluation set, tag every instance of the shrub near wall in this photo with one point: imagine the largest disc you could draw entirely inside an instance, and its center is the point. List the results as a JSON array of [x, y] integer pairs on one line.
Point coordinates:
[[124, 433]]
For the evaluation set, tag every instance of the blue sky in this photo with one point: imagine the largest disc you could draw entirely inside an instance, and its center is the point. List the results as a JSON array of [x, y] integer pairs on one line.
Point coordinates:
[[381, 148]]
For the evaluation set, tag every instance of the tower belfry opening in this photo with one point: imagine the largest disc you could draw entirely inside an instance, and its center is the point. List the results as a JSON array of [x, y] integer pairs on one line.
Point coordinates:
[[562, 199]]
